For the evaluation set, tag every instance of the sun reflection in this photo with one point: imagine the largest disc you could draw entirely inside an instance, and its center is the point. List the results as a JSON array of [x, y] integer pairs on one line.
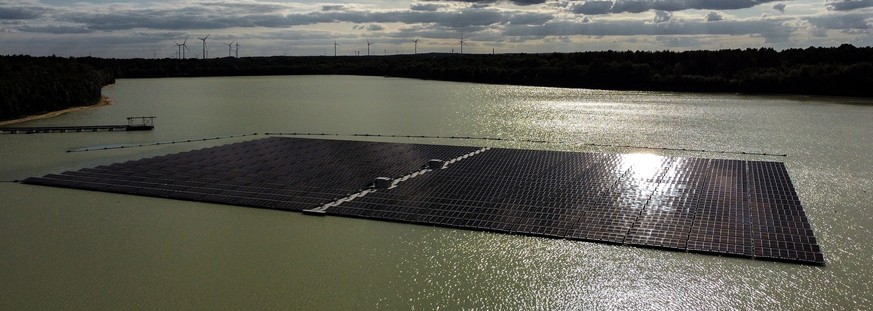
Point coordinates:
[[642, 165]]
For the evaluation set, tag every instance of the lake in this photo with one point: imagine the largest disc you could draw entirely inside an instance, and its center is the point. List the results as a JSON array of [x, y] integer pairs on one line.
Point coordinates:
[[70, 249]]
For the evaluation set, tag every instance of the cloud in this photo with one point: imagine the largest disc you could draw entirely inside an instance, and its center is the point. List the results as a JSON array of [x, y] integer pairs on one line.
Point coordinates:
[[310, 27], [333, 7], [637, 6], [243, 8], [849, 21], [678, 41], [490, 2], [662, 17], [771, 30], [198, 18], [598, 7], [713, 16], [52, 29], [17, 13], [848, 5], [779, 7], [591, 7], [429, 7]]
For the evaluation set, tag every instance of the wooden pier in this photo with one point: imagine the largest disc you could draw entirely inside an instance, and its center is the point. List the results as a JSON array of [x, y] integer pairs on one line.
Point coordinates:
[[133, 124]]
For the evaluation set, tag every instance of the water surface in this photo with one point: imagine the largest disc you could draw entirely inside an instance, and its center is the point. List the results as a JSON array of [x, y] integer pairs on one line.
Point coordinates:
[[63, 249]]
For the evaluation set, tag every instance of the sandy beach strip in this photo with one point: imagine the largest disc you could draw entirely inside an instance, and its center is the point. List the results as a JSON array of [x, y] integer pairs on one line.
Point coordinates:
[[104, 101]]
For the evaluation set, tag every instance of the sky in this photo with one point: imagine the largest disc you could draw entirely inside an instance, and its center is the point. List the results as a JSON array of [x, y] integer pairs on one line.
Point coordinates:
[[153, 28]]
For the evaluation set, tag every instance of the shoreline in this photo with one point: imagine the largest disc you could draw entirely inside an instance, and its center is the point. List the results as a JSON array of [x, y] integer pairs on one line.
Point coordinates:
[[104, 101]]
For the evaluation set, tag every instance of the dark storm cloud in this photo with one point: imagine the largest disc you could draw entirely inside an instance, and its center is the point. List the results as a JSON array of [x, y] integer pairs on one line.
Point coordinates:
[[599, 7], [848, 5], [15, 13]]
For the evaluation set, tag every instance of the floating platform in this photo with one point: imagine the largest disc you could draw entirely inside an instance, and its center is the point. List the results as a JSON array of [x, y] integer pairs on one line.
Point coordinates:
[[69, 129], [726, 207], [133, 124]]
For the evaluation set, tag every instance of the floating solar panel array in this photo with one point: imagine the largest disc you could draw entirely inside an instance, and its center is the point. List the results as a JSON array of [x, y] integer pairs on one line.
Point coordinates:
[[277, 173], [730, 207]]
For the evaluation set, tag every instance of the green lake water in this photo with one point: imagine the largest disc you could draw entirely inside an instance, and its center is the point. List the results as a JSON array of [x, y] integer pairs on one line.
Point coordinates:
[[70, 249]]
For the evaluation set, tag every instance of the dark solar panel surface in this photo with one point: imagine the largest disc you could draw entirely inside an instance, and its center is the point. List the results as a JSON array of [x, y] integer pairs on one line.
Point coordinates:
[[731, 207], [279, 173]]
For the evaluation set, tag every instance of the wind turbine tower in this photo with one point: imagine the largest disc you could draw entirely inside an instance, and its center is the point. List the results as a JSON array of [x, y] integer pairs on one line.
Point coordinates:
[[184, 46], [179, 52], [237, 49], [416, 45], [368, 47], [204, 45], [334, 47], [229, 48], [462, 43]]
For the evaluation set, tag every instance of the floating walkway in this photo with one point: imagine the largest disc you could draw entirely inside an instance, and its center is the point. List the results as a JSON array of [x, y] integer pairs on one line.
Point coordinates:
[[133, 124], [726, 207]]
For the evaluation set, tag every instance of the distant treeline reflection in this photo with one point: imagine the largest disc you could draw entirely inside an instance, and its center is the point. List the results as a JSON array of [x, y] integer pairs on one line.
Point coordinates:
[[839, 71]]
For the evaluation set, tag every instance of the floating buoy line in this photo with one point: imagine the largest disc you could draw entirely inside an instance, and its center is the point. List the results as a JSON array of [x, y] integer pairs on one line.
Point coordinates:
[[517, 140], [181, 141]]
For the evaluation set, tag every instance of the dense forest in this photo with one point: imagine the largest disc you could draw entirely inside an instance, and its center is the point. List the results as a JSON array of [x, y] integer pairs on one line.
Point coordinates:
[[34, 85], [50, 83]]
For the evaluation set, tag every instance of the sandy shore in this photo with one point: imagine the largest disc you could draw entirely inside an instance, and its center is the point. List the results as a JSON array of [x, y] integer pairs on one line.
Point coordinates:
[[104, 101]]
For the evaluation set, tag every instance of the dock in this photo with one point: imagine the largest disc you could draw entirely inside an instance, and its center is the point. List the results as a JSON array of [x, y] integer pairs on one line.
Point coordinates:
[[133, 124]]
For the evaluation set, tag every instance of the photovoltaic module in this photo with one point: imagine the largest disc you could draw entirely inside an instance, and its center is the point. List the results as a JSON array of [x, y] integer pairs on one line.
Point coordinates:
[[729, 207]]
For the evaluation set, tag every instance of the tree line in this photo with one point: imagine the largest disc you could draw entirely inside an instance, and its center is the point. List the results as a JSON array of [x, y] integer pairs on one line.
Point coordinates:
[[837, 71], [34, 85]]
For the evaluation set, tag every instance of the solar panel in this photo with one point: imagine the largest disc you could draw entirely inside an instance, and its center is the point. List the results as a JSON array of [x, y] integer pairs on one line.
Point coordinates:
[[728, 207]]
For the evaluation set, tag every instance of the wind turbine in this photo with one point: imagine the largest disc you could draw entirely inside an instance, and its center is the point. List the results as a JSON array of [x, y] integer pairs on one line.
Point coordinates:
[[179, 52], [334, 47], [237, 49], [229, 45], [462, 43], [416, 45], [182, 47], [204, 45], [368, 47]]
